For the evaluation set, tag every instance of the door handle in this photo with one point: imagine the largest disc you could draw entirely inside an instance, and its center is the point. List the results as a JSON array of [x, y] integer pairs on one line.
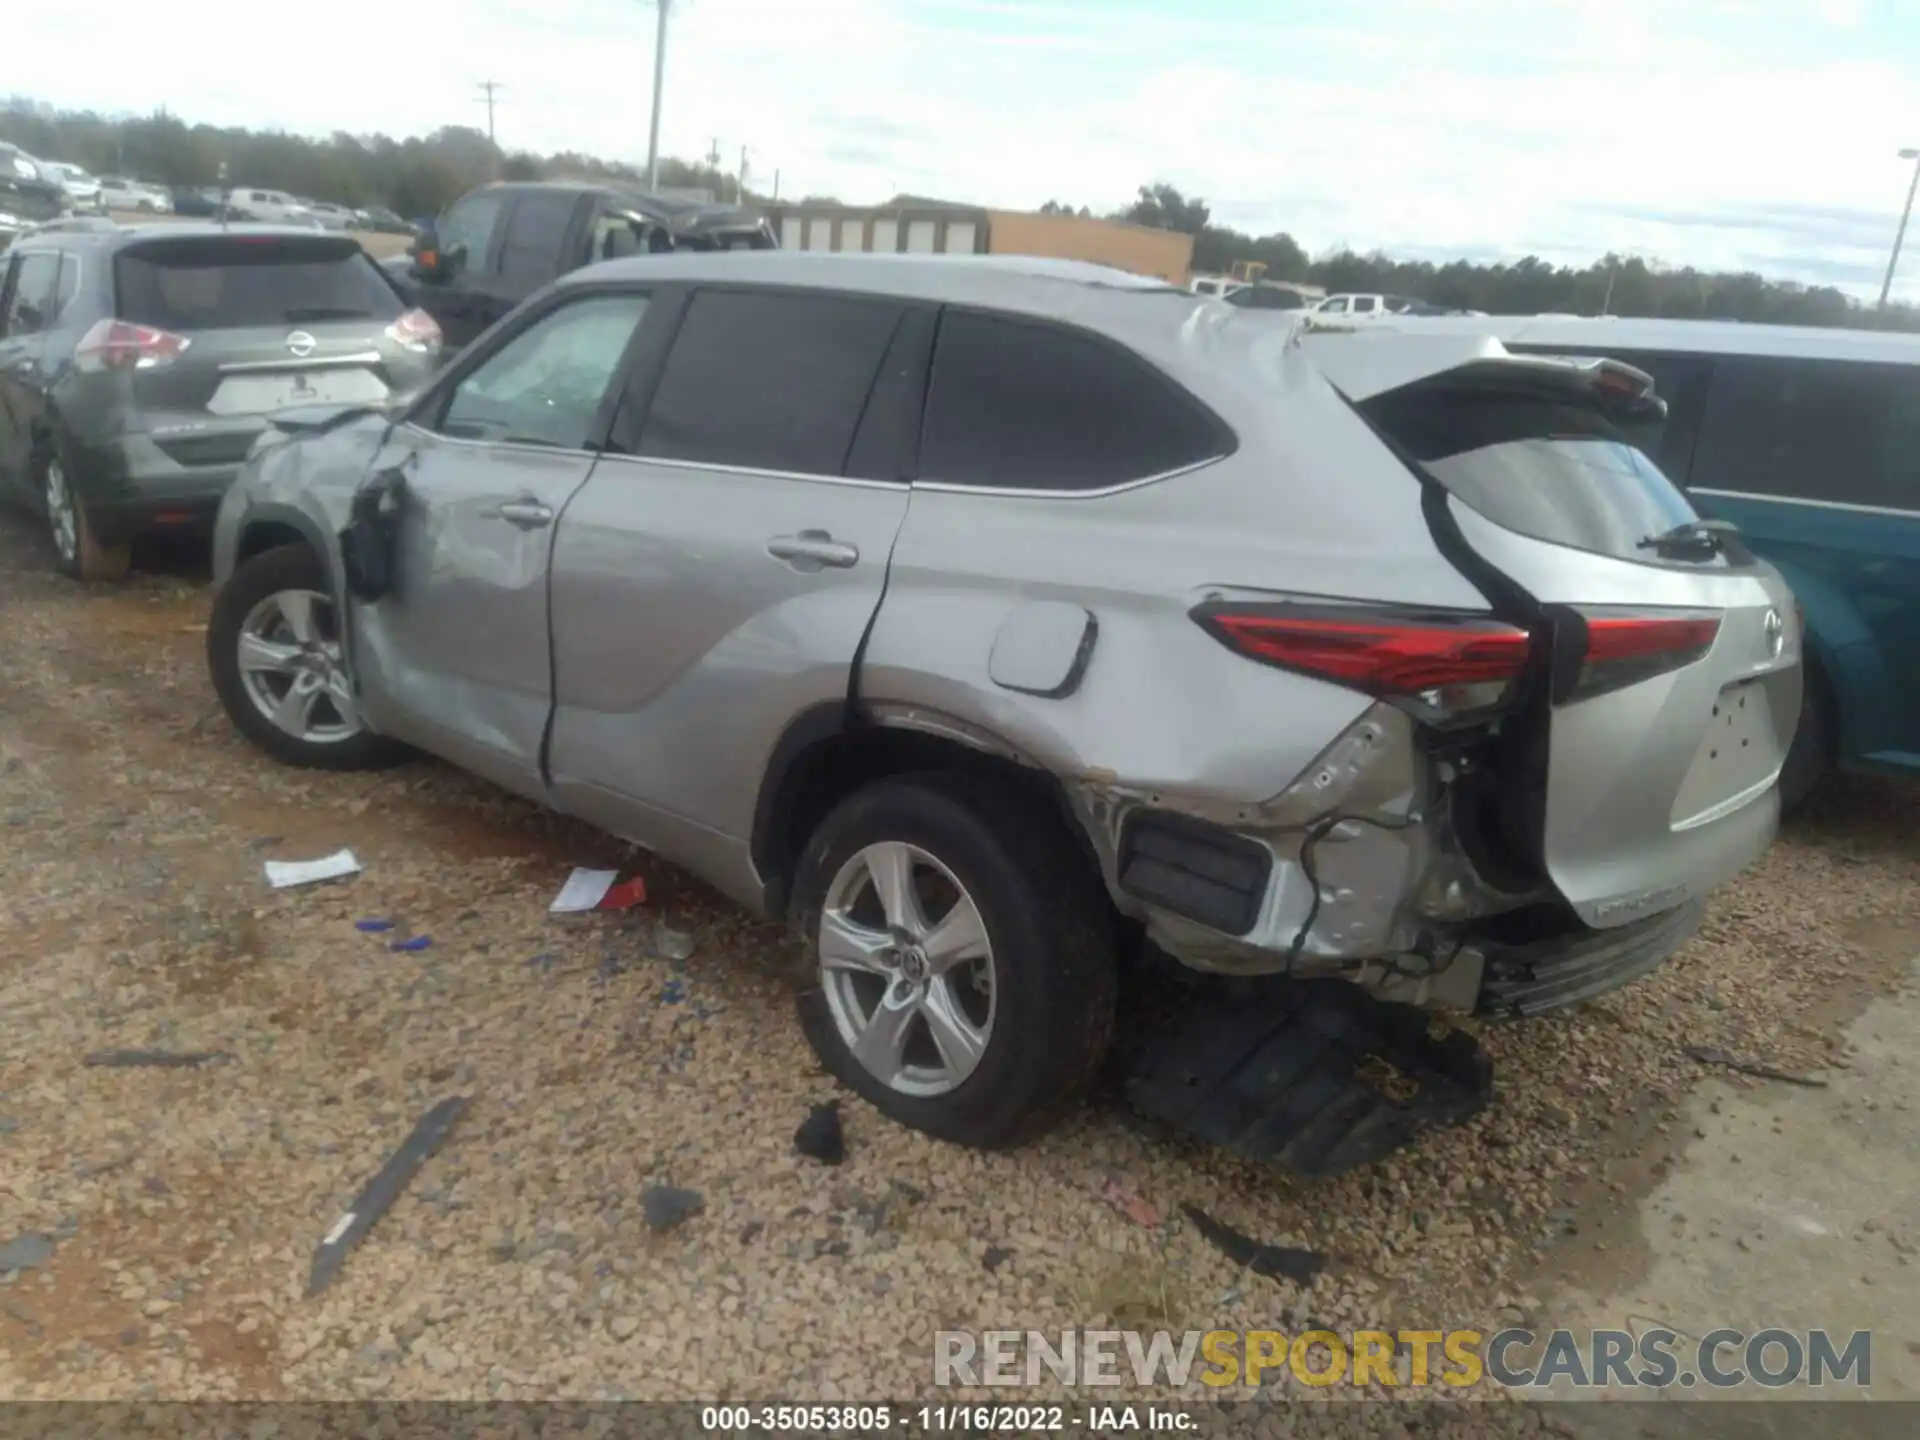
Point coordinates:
[[527, 514], [813, 550]]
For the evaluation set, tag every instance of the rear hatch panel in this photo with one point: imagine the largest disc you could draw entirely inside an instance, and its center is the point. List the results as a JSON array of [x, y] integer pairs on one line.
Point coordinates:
[[1656, 783]]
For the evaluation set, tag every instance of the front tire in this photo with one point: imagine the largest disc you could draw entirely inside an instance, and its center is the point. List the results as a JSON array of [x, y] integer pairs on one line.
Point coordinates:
[[275, 655], [77, 550], [958, 963]]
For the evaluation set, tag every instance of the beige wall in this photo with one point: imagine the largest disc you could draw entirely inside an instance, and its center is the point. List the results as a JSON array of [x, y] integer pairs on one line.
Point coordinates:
[[1144, 251]]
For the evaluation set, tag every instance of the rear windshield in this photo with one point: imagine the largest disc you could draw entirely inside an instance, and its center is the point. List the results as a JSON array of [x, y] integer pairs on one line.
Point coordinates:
[[242, 281], [1540, 461]]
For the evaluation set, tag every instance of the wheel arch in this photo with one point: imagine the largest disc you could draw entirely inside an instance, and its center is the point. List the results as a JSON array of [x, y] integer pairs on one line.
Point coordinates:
[[828, 752]]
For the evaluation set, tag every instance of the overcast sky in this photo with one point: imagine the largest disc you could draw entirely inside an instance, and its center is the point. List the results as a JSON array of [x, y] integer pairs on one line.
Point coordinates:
[[1753, 134]]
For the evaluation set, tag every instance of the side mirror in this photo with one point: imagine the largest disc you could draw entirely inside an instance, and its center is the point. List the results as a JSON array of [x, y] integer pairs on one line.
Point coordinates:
[[431, 264]]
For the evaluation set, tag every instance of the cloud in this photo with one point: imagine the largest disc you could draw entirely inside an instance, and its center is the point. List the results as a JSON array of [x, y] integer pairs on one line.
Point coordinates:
[[1716, 133]]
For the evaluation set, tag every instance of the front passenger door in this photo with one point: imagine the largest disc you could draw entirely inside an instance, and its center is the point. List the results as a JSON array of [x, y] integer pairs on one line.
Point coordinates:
[[456, 657]]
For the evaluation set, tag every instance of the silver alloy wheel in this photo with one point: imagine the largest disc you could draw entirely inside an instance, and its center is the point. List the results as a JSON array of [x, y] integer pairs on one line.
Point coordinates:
[[912, 996], [293, 669], [63, 521]]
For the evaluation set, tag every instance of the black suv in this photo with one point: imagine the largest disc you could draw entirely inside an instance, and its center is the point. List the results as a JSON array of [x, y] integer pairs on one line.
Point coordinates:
[[138, 365], [495, 246]]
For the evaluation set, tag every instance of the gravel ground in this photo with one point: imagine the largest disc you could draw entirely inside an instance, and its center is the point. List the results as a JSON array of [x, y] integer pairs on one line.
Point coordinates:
[[184, 1204]]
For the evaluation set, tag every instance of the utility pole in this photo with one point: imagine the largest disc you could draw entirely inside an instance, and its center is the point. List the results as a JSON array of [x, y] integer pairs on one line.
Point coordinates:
[[488, 88], [740, 185], [776, 183], [1893, 261], [659, 79]]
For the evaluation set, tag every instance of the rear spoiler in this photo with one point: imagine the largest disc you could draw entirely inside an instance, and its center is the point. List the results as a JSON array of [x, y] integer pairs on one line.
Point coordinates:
[[1367, 360]]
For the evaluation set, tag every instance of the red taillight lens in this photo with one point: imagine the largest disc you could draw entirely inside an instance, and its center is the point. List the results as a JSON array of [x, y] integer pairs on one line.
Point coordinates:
[[1625, 648], [416, 330], [118, 345], [1450, 663]]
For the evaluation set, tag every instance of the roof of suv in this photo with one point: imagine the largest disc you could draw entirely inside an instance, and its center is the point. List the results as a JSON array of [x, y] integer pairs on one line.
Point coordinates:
[[115, 235], [1010, 282]]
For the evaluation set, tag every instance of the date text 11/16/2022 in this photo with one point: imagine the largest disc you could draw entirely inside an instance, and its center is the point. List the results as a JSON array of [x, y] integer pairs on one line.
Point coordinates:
[[943, 1419]]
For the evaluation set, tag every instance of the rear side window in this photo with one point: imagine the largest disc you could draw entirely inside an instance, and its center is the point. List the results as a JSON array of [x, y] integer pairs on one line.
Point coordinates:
[[1537, 459], [243, 282], [1023, 405], [768, 381], [1831, 430]]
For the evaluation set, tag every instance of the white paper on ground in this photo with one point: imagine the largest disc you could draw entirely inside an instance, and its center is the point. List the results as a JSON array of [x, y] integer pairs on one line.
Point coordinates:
[[584, 890], [283, 873]]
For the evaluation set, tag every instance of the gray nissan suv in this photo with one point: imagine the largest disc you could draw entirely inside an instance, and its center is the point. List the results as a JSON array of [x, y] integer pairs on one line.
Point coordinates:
[[979, 613]]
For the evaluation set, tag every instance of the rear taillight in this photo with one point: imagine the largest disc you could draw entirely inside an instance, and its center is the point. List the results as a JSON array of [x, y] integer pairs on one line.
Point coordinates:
[[1447, 664], [1623, 648], [416, 330], [120, 345]]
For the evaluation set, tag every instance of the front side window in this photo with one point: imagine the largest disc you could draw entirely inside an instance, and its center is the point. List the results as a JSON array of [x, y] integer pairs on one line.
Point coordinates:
[[466, 228], [767, 381], [1336, 306], [546, 385], [1026, 405]]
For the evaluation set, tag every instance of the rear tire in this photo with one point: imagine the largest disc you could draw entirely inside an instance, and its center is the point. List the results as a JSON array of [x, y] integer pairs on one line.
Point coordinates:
[[77, 550], [274, 653], [1811, 754], [1036, 991]]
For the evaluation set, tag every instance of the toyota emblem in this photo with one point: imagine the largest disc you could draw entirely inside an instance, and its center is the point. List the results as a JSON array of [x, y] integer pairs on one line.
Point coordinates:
[[1776, 632], [302, 345]]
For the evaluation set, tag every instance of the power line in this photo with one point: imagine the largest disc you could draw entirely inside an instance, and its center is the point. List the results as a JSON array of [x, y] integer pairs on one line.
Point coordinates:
[[487, 89]]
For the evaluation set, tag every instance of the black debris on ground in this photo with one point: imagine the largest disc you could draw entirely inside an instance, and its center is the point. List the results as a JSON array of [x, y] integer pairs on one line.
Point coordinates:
[[820, 1136], [667, 1206], [25, 1252], [1278, 1262], [1707, 1055], [996, 1256], [160, 1059], [377, 1198]]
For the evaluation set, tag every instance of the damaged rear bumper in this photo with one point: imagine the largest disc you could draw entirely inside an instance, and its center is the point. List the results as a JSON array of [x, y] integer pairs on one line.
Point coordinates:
[[1520, 980], [1358, 873]]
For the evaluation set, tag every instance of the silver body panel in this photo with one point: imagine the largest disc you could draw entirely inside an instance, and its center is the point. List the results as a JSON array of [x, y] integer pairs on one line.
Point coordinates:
[[637, 661]]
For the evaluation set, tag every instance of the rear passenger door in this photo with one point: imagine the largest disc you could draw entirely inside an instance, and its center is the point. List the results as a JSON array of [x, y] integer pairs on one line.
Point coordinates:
[[714, 581]]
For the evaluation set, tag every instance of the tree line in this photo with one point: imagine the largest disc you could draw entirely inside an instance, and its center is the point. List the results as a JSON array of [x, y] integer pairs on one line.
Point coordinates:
[[420, 175], [1613, 284]]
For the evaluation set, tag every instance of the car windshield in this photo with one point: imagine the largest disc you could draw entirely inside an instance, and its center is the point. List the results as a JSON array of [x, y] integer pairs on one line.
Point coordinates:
[[237, 282]]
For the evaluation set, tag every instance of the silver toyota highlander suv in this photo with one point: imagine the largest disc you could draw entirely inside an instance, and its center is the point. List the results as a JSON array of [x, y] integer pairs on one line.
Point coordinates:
[[972, 612]]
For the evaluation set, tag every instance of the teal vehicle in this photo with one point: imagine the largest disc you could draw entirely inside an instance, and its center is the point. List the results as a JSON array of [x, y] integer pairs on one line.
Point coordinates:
[[1809, 441]]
